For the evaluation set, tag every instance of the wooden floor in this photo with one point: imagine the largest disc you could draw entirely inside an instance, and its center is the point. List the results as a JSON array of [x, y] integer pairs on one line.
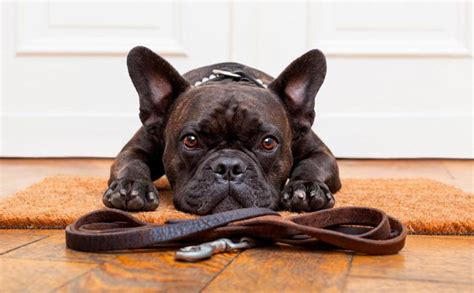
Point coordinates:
[[37, 260]]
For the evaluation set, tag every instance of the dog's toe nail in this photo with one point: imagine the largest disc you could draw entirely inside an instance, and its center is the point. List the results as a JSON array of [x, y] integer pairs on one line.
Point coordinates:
[[113, 185], [134, 193], [286, 196], [153, 201], [123, 191], [153, 206], [330, 200], [300, 194], [106, 201], [108, 193], [151, 196], [117, 201], [317, 202], [135, 204]]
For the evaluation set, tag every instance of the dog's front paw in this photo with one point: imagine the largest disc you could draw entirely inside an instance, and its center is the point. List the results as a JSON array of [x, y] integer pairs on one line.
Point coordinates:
[[304, 196], [131, 195]]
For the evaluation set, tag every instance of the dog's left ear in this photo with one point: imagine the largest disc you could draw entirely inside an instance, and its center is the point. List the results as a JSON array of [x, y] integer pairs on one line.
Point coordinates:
[[298, 85]]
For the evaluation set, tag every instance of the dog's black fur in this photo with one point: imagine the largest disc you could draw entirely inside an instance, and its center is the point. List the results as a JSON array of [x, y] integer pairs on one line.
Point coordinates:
[[225, 144]]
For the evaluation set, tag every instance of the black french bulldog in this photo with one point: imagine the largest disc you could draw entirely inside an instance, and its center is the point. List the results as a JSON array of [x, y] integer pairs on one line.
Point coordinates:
[[227, 136]]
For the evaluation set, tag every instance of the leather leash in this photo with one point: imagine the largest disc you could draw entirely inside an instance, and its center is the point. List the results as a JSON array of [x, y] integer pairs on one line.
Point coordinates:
[[357, 229]]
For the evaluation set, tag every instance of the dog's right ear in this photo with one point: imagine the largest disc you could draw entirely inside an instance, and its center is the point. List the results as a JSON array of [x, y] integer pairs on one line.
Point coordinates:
[[158, 84]]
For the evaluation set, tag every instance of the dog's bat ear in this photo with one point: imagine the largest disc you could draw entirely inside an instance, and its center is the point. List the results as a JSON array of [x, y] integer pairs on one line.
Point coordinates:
[[157, 84], [298, 85]]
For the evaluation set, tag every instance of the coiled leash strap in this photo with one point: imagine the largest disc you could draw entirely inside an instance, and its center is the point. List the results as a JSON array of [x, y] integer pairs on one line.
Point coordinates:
[[358, 229]]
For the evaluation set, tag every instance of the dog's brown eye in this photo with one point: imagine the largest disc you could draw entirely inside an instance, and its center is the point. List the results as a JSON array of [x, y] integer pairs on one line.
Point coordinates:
[[269, 143], [190, 141]]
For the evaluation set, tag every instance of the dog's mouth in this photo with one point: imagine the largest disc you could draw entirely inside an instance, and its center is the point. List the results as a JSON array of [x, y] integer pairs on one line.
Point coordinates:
[[203, 197], [222, 197]]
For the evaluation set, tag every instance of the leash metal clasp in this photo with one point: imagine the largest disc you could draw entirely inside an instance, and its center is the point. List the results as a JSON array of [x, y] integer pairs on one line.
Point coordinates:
[[206, 250]]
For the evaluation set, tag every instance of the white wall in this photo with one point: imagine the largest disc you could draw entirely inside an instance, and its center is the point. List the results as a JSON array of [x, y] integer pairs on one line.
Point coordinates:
[[399, 80]]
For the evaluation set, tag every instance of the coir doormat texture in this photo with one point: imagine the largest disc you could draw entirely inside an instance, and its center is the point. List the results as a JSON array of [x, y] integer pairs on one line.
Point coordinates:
[[425, 206]]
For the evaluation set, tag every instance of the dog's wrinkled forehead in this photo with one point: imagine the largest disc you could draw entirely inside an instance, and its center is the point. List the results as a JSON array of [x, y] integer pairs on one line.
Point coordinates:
[[229, 109]]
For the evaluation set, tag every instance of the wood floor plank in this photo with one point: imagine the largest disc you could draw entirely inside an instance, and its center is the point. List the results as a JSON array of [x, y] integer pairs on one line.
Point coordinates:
[[283, 269], [359, 284], [425, 258], [17, 174], [54, 248], [150, 271], [462, 172], [26, 275], [45, 232], [449, 246], [433, 169], [11, 241]]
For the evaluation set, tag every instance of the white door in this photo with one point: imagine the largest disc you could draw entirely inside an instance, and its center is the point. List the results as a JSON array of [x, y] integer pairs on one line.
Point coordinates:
[[399, 80]]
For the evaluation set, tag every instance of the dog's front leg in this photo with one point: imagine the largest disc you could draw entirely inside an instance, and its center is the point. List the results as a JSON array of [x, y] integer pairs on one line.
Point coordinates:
[[314, 178], [140, 162], [132, 175]]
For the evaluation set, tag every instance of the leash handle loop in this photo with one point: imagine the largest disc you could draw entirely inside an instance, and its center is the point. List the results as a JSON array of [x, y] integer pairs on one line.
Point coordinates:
[[358, 229]]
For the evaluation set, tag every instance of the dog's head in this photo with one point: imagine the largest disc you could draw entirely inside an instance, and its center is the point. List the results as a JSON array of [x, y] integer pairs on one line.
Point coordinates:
[[227, 145]]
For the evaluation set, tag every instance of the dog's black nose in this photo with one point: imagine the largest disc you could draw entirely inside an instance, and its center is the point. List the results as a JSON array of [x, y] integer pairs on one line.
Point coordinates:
[[229, 168]]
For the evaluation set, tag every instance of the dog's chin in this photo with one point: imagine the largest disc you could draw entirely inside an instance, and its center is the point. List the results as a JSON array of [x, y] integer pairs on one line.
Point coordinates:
[[227, 204]]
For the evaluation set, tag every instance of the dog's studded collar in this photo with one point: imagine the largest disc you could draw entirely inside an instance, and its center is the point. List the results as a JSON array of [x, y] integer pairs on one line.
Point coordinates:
[[218, 74]]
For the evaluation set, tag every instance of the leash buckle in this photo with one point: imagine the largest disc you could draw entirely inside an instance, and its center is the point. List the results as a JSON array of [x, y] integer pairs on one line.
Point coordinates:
[[206, 250]]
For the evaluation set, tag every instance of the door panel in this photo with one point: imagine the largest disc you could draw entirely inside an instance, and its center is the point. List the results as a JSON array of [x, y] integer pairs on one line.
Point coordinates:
[[399, 81], [66, 90]]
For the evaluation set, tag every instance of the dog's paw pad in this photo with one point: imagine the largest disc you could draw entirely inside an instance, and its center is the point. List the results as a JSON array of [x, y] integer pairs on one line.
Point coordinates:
[[301, 196], [132, 195]]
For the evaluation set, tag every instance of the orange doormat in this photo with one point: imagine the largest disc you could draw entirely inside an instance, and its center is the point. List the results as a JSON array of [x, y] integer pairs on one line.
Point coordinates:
[[425, 206]]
